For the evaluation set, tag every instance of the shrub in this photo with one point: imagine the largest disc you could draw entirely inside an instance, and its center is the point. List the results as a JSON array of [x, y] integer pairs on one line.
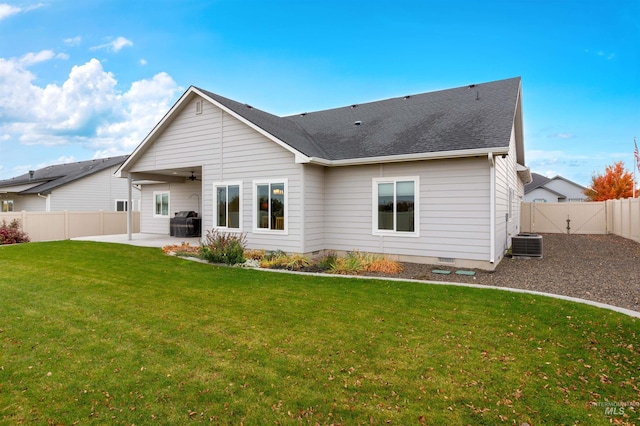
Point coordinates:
[[328, 261], [349, 265], [223, 247], [184, 249], [254, 254], [280, 260], [356, 262], [12, 233]]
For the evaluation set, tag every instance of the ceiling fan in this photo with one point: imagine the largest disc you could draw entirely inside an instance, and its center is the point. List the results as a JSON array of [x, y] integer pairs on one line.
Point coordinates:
[[192, 177]]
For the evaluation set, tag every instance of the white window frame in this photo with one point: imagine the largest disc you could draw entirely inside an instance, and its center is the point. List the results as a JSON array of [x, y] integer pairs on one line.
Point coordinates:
[[7, 203], [416, 210], [217, 185], [254, 216], [126, 205], [155, 193]]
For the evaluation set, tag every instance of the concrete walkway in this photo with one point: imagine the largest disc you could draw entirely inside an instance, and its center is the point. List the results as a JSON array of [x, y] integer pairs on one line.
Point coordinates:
[[143, 240]]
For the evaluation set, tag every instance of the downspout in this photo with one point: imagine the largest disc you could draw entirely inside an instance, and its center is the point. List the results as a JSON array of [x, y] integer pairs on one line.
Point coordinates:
[[492, 208], [47, 204], [129, 207]]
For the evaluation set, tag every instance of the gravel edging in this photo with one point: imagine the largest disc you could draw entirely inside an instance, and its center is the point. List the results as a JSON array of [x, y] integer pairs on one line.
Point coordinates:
[[599, 268]]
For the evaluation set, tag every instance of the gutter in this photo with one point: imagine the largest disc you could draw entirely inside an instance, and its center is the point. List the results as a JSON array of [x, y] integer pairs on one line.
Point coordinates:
[[440, 155]]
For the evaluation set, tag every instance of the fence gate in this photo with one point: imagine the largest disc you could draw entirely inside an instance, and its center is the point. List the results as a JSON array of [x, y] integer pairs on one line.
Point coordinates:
[[564, 218]]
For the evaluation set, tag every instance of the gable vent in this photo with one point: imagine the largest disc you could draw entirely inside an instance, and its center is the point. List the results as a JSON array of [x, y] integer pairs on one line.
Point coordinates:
[[526, 245]]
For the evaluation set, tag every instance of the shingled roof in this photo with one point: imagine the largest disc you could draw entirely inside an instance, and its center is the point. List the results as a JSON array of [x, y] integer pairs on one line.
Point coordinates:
[[466, 121], [475, 117], [48, 178]]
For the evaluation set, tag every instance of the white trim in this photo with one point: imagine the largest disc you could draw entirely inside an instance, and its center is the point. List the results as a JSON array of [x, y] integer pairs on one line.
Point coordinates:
[[227, 184], [254, 215], [440, 155], [168, 204], [416, 209]]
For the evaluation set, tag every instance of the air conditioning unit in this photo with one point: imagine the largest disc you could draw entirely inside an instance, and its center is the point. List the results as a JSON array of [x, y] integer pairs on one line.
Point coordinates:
[[526, 245]]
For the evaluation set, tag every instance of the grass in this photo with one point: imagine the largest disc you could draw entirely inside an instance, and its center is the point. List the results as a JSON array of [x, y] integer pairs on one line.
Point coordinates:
[[104, 333]]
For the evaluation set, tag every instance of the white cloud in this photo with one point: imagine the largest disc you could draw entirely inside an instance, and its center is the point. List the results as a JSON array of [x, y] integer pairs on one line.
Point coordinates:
[[33, 58], [563, 135], [7, 10], [143, 61], [73, 41], [115, 45], [87, 109]]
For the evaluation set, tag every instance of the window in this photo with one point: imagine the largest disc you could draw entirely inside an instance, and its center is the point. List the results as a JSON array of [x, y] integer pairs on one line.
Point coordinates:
[[228, 200], [395, 206], [161, 204], [121, 205], [271, 205], [7, 205]]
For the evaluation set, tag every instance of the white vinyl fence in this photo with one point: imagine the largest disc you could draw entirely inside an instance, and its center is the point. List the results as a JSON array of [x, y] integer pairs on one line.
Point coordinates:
[[620, 217], [51, 226]]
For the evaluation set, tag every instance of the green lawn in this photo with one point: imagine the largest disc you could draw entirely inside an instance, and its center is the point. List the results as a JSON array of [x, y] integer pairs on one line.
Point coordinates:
[[113, 334]]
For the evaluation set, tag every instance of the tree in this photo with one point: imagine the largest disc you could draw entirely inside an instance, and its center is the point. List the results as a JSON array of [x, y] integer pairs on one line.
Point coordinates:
[[615, 183]]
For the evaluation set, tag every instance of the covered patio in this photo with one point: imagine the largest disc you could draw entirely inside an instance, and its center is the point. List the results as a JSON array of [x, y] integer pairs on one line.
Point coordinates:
[[141, 239]]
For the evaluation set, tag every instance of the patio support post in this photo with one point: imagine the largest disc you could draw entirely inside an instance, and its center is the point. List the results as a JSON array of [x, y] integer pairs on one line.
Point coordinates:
[[129, 207]]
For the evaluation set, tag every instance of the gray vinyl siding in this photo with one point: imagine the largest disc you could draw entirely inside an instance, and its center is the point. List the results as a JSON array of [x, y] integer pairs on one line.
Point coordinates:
[[454, 209], [314, 208], [225, 150], [506, 180], [30, 203], [98, 191]]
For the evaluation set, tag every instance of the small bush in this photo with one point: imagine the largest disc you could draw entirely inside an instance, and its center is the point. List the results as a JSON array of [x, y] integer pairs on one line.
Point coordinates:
[[12, 233], [328, 261], [356, 262], [280, 260], [254, 254], [349, 265], [223, 247], [184, 249]]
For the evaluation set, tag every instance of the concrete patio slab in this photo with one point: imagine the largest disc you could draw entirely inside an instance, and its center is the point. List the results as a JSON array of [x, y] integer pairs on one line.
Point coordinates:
[[140, 239]]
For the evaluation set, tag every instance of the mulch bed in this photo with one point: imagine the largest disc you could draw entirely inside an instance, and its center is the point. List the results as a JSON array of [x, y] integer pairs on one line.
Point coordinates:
[[601, 268]]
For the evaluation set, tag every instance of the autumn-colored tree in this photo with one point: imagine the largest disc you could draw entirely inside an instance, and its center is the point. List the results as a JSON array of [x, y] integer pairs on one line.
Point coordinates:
[[615, 183]]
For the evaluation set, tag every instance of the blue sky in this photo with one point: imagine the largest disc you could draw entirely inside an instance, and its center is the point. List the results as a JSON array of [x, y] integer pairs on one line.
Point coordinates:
[[89, 79]]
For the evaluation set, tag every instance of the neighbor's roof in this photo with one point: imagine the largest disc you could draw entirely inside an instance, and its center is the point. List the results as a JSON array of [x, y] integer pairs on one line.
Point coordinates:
[[48, 178], [539, 181], [479, 116]]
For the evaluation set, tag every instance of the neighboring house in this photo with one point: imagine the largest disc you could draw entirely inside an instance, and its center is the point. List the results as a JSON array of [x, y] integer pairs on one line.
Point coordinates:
[[432, 178], [553, 190], [83, 186]]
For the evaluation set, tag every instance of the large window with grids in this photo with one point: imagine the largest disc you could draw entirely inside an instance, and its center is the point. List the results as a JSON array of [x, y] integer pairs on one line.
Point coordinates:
[[395, 206]]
